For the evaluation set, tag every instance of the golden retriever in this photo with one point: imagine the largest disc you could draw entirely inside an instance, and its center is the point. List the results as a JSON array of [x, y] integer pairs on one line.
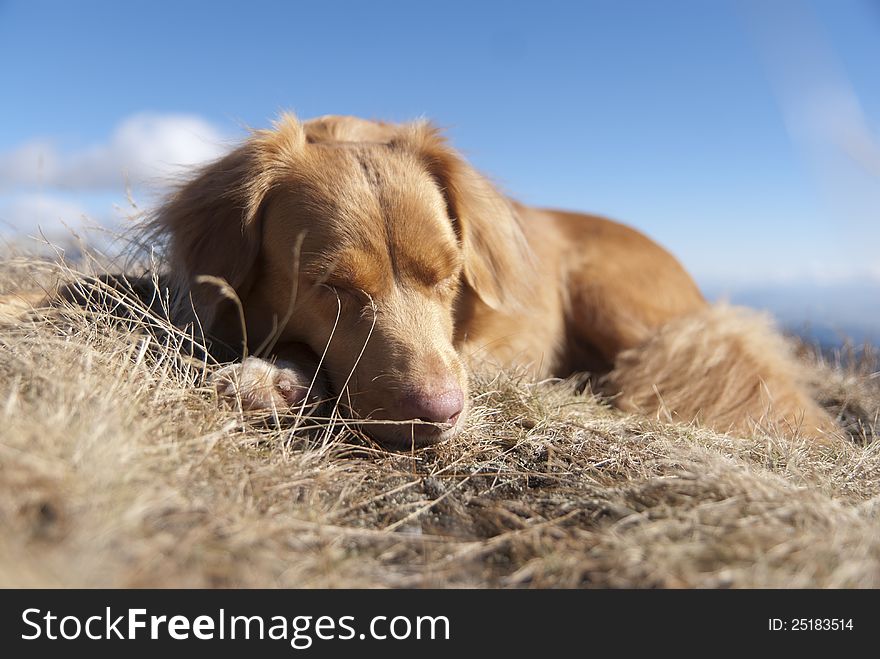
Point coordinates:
[[376, 265]]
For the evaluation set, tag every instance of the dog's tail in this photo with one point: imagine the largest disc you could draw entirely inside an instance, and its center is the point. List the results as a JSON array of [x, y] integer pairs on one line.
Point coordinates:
[[723, 367]]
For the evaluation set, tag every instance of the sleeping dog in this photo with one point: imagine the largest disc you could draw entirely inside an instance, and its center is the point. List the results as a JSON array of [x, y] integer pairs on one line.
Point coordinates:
[[370, 262]]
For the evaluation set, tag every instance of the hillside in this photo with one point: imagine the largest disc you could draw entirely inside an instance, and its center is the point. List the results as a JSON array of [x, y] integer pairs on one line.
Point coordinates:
[[119, 467]]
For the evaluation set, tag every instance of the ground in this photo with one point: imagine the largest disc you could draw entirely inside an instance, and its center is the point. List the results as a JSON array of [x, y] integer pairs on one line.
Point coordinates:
[[119, 467]]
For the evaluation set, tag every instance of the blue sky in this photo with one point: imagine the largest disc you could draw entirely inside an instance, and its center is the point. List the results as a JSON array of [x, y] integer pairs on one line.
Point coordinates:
[[741, 135]]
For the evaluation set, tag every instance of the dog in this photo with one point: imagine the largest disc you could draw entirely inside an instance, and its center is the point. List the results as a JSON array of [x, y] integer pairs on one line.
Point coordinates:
[[370, 262]]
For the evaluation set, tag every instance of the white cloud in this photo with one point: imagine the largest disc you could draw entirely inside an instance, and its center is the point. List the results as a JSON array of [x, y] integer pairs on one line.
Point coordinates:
[[143, 149], [30, 214]]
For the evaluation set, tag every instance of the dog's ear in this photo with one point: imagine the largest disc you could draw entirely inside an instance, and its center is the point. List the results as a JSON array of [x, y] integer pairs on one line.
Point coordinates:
[[497, 257], [212, 222]]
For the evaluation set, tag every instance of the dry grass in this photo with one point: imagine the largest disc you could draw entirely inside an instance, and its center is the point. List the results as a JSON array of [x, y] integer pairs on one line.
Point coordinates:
[[118, 467]]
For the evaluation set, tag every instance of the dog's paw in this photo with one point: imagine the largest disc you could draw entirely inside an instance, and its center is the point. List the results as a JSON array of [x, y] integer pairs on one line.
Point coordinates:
[[264, 385]]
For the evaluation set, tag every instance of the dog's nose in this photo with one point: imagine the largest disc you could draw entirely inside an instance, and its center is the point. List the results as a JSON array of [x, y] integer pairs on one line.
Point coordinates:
[[442, 404]]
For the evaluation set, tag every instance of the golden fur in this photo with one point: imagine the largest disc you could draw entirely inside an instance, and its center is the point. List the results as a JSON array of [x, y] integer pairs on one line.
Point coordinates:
[[376, 257]]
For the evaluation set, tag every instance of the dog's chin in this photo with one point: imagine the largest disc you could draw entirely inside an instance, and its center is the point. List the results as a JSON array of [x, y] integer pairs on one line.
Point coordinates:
[[405, 437]]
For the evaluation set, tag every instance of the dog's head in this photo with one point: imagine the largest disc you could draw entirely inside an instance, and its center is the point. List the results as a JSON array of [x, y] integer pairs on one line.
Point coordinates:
[[360, 240]]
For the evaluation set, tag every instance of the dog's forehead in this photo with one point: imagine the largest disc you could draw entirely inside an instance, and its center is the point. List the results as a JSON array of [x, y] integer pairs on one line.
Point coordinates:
[[375, 199], [376, 182], [362, 217]]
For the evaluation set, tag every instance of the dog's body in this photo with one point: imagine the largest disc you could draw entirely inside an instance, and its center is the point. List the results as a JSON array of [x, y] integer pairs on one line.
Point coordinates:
[[373, 255], [598, 288]]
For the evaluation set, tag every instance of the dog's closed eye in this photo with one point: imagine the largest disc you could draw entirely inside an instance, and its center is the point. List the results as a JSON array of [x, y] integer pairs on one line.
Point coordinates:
[[339, 291], [448, 286], [348, 296]]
